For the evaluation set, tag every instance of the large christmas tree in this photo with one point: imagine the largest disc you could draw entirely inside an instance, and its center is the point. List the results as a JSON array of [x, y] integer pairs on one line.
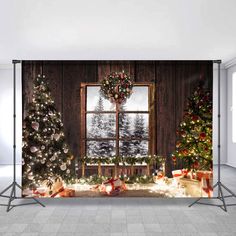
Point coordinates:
[[194, 144], [46, 156]]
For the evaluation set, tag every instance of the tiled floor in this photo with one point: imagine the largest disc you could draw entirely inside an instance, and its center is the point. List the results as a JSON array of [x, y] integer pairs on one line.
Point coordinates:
[[118, 217]]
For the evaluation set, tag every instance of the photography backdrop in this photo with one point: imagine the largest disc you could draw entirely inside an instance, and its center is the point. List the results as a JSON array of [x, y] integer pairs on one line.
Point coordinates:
[[173, 83]]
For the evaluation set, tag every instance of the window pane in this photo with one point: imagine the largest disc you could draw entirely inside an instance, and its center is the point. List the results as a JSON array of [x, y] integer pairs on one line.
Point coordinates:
[[133, 125], [138, 101], [100, 125], [95, 102], [134, 148], [101, 148]]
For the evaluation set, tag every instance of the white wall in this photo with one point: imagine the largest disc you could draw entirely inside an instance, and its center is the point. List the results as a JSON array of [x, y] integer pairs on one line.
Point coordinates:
[[125, 29], [6, 114], [231, 147]]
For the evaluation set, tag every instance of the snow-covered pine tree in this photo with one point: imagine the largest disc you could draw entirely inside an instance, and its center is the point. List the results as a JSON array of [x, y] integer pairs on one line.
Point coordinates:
[[139, 132], [110, 125], [96, 130], [125, 131], [100, 128]]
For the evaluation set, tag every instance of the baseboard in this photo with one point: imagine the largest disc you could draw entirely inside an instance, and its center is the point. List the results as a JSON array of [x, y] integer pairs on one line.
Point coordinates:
[[230, 165]]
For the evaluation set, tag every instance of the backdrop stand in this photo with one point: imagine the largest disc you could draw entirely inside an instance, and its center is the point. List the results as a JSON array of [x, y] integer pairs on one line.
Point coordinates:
[[218, 185], [14, 185]]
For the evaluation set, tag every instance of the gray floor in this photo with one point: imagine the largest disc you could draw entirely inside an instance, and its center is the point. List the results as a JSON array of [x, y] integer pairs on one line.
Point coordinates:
[[118, 217]]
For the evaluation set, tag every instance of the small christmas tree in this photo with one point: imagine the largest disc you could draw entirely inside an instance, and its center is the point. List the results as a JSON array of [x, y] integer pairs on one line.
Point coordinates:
[[194, 144], [46, 156]]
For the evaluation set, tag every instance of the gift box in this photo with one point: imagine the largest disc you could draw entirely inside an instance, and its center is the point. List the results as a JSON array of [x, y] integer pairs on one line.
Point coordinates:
[[206, 179], [67, 193], [184, 173], [180, 173], [192, 186], [39, 192], [112, 187]]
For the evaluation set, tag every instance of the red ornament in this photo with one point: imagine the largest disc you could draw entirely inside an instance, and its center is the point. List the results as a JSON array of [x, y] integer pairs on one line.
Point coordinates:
[[196, 165], [194, 118], [202, 136], [185, 152], [178, 144], [174, 159]]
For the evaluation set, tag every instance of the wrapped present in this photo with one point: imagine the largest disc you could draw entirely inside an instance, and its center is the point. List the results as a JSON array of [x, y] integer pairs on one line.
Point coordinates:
[[184, 173], [39, 192], [53, 189], [207, 189], [67, 193], [58, 191], [112, 187], [204, 174], [180, 173], [177, 173], [192, 187], [206, 179], [159, 175]]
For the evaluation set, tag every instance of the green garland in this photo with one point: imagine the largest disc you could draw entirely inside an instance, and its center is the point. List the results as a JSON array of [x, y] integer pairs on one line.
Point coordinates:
[[125, 160], [117, 87]]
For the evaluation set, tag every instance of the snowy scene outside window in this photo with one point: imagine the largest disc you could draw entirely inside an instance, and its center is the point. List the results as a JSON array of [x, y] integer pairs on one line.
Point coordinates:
[[117, 130]]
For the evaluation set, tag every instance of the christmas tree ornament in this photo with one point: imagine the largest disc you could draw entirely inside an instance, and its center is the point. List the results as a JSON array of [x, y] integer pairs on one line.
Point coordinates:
[[56, 136], [33, 149], [35, 125], [63, 167]]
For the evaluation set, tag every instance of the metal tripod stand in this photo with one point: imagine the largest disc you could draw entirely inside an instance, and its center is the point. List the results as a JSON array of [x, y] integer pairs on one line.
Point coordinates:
[[14, 185], [220, 195]]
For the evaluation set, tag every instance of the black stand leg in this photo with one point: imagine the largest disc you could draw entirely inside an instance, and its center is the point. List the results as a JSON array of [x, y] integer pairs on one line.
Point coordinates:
[[218, 185], [14, 184]]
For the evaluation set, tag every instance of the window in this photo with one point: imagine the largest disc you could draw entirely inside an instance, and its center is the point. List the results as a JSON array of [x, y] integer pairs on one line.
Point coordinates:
[[110, 130], [234, 107]]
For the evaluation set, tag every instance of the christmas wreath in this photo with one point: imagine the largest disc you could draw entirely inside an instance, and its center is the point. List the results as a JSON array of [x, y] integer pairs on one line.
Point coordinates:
[[117, 87]]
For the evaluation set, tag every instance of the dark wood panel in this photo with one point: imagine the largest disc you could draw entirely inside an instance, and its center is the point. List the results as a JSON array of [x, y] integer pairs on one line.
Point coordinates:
[[106, 67], [127, 66], [165, 87], [54, 72], [72, 76], [30, 70], [145, 71]]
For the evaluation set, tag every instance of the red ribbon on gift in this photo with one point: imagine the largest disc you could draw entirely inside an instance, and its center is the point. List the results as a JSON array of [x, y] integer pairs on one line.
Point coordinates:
[[179, 173], [60, 190], [208, 188], [38, 193], [206, 181]]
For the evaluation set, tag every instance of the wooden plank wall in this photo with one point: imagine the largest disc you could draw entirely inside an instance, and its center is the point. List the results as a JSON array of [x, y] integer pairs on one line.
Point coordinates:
[[175, 81]]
